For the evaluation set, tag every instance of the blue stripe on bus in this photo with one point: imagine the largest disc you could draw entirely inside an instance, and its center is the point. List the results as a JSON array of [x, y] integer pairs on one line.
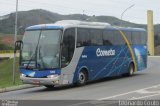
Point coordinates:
[[39, 73], [99, 67], [115, 59]]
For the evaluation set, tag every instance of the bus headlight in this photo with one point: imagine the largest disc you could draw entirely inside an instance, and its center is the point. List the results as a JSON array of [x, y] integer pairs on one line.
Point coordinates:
[[53, 76], [23, 75]]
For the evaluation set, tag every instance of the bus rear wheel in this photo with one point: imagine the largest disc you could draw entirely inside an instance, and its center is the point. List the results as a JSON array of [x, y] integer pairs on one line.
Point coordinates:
[[82, 78], [131, 69]]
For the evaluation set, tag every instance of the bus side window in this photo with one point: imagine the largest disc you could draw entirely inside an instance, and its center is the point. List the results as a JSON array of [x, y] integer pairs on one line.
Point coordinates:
[[128, 35], [107, 37], [83, 37], [136, 38], [96, 37], [143, 38], [118, 38], [68, 47]]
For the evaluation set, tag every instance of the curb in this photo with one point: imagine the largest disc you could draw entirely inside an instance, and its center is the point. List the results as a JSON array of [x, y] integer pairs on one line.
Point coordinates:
[[14, 88]]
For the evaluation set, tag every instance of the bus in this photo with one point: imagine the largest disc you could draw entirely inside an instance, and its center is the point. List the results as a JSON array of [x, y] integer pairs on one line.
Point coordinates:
[[75, 52]]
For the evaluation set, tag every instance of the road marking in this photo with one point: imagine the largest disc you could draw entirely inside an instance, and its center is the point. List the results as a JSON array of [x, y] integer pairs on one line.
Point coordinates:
[[144, 97], [135, 91], [147, 92], [133, 98]]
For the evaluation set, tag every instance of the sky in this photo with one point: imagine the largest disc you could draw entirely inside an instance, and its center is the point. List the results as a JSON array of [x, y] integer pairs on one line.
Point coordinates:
[[137, 13]]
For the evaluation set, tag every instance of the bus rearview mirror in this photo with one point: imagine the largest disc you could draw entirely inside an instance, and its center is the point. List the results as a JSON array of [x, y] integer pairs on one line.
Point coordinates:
[[18, 45]]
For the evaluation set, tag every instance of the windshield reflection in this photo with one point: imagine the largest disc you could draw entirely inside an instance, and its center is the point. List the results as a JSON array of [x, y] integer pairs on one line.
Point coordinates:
[[41, 49]]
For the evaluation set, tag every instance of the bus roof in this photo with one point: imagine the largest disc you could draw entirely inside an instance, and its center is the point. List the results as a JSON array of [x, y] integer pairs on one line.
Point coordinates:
[[82, 24]]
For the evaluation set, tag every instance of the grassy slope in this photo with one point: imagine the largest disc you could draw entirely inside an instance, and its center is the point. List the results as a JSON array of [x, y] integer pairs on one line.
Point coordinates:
[[6, 74]]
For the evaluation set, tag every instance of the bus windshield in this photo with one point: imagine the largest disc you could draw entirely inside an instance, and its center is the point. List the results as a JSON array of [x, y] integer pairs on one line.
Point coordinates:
[[41, 49]]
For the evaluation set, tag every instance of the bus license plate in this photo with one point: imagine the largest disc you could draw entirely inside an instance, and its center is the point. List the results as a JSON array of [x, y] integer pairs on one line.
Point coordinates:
[[35, 81]]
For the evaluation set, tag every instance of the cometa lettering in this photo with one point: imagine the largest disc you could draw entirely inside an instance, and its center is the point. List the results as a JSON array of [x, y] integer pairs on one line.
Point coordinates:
[[100, 52]]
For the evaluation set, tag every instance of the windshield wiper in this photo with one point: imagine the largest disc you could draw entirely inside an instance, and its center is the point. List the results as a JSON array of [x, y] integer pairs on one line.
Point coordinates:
[[30, 61], [40, 57], [35, 53]]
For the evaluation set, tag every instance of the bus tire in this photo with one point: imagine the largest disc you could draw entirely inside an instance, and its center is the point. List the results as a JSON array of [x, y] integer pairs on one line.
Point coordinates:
[[130, 70], [82, 78], [50, 86]]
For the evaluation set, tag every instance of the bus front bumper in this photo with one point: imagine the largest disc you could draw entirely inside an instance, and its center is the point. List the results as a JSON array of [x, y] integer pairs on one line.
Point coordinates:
[[40, 81]]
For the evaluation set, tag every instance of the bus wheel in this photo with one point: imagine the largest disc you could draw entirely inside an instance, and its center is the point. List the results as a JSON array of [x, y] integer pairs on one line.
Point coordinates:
[[131, 69], [49, 86], [82, 78]]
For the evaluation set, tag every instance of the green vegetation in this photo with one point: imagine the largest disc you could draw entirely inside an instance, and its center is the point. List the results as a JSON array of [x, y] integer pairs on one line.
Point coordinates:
[[6, 74]]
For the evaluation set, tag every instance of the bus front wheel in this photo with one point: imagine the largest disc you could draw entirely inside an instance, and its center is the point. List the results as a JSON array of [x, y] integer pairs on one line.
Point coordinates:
[[82, 78]]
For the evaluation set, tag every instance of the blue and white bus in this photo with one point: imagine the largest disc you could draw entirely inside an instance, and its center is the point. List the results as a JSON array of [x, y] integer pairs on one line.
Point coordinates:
[[74, 52]]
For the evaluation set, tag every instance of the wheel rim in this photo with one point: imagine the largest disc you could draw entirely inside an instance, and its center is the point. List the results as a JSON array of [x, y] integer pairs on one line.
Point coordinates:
[[82, 77]]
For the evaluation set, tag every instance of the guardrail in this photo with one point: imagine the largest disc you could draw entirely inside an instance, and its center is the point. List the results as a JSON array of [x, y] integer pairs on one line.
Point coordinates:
[[8, 54], [6, 51]]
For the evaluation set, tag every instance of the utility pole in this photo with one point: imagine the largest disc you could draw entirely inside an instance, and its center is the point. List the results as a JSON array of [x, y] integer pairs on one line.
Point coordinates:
[[150, 32], [15, 39], [125, 11]]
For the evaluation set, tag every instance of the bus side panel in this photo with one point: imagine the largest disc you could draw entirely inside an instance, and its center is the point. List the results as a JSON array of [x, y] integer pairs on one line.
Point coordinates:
[[67, 73], [140, 52], [100, 66]]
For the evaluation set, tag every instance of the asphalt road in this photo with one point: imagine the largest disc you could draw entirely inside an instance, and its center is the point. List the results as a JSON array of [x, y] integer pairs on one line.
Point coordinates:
[[143, 85]]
